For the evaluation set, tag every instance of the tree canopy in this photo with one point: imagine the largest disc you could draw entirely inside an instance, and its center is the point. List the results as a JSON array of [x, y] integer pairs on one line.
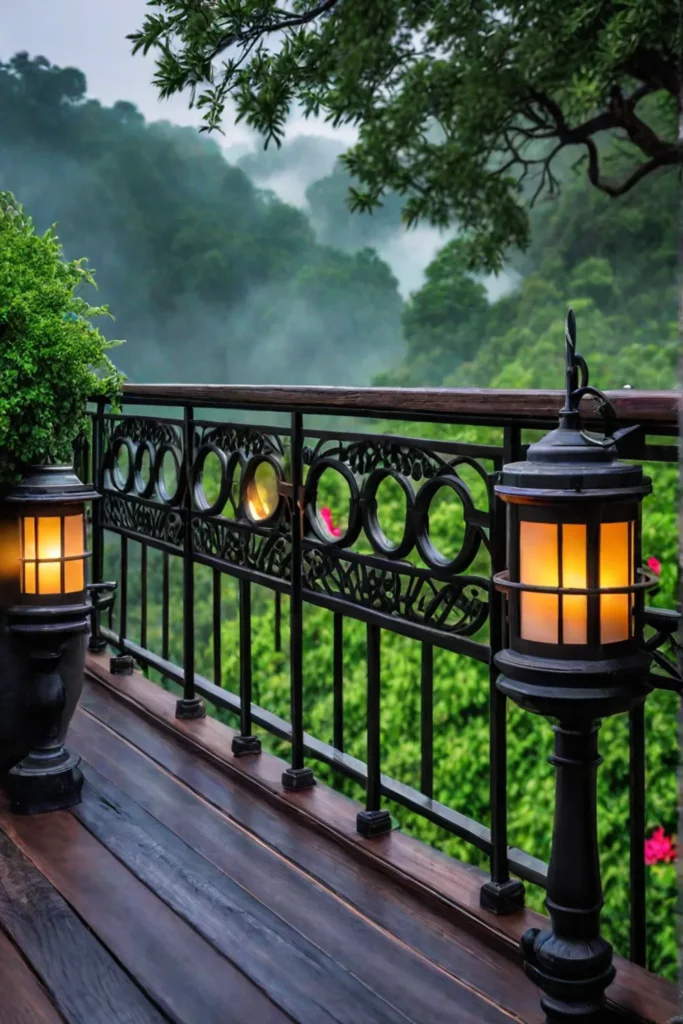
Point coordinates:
[[462, 108]]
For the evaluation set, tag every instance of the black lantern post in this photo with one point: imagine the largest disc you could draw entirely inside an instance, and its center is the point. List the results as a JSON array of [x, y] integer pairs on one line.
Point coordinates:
[[576, 654], [53, 606]]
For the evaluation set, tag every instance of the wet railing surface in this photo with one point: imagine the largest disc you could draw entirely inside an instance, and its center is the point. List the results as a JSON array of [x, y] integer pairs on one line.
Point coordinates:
[[208, 483]]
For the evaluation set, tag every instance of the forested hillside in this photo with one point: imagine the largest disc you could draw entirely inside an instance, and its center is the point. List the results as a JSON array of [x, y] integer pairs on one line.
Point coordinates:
[[208, 276]]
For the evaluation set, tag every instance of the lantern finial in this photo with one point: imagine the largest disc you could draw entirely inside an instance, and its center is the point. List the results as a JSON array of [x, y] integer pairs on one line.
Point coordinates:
[[574, 363]]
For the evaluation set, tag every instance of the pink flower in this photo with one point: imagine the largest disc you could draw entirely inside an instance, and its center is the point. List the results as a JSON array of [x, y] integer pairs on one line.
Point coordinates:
[[659, 848], [326, 516], [655, 565]]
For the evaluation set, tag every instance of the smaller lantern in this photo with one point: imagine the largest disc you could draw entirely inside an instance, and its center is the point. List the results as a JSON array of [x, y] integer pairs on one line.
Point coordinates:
[[575, 654], [52, 605]]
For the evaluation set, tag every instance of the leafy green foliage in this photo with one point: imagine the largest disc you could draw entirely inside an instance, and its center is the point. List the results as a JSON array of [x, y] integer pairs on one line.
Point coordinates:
[[615, 264], [52, 358], [461, 108]]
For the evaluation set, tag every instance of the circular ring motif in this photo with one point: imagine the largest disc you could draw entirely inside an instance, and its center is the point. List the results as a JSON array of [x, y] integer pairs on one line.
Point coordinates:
[[168, 497], [119, 482], [202, 502], [145, 489], [471, 540], [350, 535], [375, 534], [261, 498]]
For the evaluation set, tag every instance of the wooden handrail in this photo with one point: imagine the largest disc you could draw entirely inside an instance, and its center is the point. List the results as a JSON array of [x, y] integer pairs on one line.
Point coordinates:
[[655, 410]]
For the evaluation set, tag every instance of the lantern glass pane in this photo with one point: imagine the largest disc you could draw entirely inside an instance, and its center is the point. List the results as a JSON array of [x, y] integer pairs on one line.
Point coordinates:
[[538, 565], [74, 543], [574, 606], [616, 570], [28, 540], [50, 548]]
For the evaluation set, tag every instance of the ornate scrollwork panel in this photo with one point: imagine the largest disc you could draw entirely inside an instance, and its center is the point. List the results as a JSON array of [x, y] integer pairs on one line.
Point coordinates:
[[458, 607], [221, 539], [151, 522]]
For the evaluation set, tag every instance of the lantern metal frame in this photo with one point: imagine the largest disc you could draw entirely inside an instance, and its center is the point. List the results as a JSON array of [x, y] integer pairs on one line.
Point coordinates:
[[48, 778], [570, 477]]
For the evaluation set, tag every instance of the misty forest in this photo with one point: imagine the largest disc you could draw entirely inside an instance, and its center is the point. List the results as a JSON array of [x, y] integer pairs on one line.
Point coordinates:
[[213, 277]]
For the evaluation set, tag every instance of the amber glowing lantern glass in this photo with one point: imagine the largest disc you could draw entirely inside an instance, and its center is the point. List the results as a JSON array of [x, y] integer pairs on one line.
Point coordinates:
[[52, 546]]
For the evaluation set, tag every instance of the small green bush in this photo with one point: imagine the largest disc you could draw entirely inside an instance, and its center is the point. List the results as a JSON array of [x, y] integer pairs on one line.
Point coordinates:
[[52, 359]]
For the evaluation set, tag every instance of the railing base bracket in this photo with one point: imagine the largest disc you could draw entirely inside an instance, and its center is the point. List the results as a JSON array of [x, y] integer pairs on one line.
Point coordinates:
[[502, 897], [122, 665], [242, 745], [295, 779], [194, 708], [373, 823]]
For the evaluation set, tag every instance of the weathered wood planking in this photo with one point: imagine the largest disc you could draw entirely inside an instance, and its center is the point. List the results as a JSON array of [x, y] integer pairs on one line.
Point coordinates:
[[23, 1000], [299, 977], [181, 972], [437, 881], [401, 975], [83, 980]]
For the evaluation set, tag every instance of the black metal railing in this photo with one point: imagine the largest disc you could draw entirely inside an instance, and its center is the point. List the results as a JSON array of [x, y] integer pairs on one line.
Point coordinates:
[[244, 500]]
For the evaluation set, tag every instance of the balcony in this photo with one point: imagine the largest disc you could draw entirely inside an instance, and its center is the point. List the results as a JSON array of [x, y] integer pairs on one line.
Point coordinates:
[[204, 877]]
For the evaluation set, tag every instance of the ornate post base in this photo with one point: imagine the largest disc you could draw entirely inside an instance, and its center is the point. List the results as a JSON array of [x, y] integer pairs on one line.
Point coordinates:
[[45, 782]]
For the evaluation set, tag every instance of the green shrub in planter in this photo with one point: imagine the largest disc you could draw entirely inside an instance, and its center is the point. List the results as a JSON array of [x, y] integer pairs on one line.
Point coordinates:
[[52, 358]]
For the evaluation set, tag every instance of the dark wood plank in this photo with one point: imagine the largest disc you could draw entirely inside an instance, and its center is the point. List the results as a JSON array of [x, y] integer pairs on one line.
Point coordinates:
[[181, 972], [654, 408], [83, 980], [438, 881], [23, 999], [399, 974], [465, 956], [298, 976]]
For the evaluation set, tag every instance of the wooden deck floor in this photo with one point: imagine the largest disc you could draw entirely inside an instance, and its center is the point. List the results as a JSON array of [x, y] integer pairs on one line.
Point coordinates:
[[187, 887]]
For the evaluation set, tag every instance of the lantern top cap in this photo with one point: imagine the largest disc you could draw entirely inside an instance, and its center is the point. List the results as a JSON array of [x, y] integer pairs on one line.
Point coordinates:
[[568, 459], [50, 485]]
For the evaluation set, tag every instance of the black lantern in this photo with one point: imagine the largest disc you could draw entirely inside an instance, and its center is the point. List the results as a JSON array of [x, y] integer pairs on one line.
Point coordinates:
[[575, 653], [53, 605]]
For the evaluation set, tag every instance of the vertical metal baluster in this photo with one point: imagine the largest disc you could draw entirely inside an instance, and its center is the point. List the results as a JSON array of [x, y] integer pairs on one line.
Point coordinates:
[[373, 821], [189, 706], [96, 641], [278, 621], [123, 605], [143, 603], [165, 605], [338, 681], [143, 595], [638, 946], [245, 743], [298, 776], [217, 617], [502, 894], [427, 720]]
